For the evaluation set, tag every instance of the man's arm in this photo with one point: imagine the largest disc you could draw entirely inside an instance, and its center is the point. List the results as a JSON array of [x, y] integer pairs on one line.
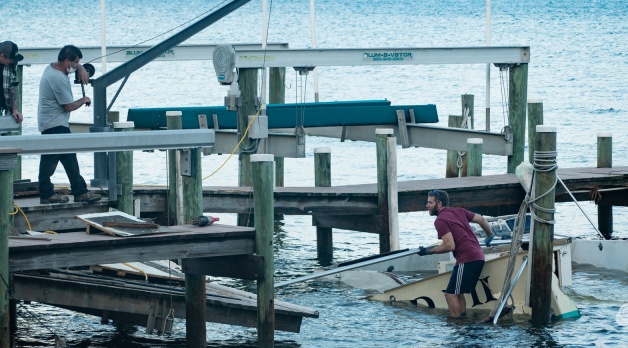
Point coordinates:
[[16, 114], [447, 246], [480, 220], [77, 104]]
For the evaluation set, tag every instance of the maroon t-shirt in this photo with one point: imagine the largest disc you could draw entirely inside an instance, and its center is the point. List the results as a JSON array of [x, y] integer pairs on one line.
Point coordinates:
[[456, 221]]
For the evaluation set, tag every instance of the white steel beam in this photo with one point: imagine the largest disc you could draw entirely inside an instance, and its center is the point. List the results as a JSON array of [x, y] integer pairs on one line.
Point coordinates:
[[125, 53], [433, 137], [110, 141], [302, 58]]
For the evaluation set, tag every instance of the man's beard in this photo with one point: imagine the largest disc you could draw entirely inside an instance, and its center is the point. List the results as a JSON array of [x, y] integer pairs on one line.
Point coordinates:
[[434, 211]]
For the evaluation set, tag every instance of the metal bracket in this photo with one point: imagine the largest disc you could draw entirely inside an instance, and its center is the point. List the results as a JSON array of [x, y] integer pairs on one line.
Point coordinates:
[[233, 102], [304, 70], [187, 162], [504, 66]]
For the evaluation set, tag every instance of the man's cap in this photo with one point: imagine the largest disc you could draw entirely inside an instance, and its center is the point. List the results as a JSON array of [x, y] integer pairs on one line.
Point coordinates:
[[9, 49]]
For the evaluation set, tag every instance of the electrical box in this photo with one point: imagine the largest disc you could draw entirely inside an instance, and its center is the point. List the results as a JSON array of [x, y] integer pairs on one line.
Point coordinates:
[[259, 127]]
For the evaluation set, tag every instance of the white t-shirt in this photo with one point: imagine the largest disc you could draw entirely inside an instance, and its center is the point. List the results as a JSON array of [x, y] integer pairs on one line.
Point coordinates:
[[55, 91]]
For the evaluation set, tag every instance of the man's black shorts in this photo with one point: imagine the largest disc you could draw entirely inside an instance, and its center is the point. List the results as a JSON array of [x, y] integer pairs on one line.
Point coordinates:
[[464, 277]]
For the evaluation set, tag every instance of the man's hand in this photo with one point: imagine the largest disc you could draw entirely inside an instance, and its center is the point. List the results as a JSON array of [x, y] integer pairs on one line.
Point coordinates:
[[87, 101], [424, 251], [17, 116], [83, 75], [488, 240]]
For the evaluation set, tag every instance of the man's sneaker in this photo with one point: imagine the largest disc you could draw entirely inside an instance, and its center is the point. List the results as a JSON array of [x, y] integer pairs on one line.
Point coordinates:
[[56, 198], [87, 197]]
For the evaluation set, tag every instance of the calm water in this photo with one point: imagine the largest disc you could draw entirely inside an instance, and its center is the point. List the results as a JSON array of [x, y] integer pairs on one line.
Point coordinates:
[[578, 67]]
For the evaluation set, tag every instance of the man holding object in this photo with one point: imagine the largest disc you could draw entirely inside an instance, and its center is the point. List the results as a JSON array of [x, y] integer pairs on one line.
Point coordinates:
[[8, 80], [53, 115], [452, 226]]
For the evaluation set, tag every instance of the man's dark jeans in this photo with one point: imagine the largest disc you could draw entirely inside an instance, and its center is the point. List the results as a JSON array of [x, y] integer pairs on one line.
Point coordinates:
[[48, 165]]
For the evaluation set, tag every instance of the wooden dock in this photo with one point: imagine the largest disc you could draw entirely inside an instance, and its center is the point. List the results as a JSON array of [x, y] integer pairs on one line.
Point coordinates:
[[352, 207], [132, 301]]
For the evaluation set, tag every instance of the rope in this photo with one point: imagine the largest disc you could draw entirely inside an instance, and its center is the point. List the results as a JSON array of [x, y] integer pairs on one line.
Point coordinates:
[[18, 209], [465, 124], [576, 201], [544, 161]]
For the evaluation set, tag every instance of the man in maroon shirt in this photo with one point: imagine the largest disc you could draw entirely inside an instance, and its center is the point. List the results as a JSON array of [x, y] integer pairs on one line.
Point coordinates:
[[452, 225]]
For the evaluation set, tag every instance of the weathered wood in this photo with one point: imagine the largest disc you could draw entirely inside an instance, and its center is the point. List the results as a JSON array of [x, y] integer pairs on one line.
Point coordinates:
[[175, 209], [262, 166], [322, 178], [517, 99], [543, 236], [249, 267], [362, 223], [451, 168], [248, 88], [17, 171], [403, 130], [79, 249], [129, 224], [393, 200], [474, 157], [277, 95], [130, 303], [381, 144], [195, 303], [535, 118], [124, 167], [6, 205], [605, 160], [8, 163]]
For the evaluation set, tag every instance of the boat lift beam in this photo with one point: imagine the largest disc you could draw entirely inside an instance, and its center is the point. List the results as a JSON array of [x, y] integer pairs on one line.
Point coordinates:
[[309, 58], [279, 144], [121, 54], [419, 135], [110, 141]]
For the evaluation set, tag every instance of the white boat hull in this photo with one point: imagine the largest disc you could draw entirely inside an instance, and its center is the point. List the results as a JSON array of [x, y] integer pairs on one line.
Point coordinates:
[[429, 292], [610, 254]]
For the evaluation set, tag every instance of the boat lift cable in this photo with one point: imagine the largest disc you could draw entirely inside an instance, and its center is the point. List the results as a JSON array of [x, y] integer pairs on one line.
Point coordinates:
[[576, 201], [158, 35]]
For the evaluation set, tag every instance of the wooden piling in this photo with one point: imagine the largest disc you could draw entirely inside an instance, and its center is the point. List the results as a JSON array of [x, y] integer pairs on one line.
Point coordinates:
[[467, 101], [517, 98], [605, 160], [387, 211], [543, 229], [392, 194], [474, 156], [186, 198], [247, 80], [124, 166], [8, 163], [322, 178], [277, 95], [175, 209], [263, 190], [535, 118], [451, 169], [17, 172]]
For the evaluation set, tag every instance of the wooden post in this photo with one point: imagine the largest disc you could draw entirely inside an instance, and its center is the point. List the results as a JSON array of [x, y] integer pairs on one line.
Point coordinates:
[[17, 172], [543, 232], [248, 89], [322, 178], [124, 165], [8, 162], [517, 98], [605, 160], [451, 169], [186, 198], [392, 194], [175, 209], [277, 95], [474, 156], [468, 101], [382, 187], [535, 118], [262, 172]]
